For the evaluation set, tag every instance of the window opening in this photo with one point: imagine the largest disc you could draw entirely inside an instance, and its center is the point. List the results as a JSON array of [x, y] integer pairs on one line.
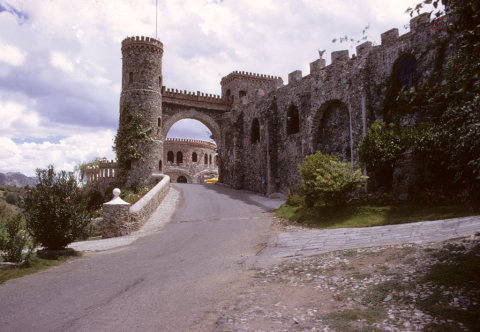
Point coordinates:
[[130, 77], [404, 72], [293, 121], [194, 157], [170, 157], [179, 157]]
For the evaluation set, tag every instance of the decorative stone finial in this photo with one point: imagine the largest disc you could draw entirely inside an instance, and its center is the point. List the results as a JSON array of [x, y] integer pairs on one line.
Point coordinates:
[[117, 200]]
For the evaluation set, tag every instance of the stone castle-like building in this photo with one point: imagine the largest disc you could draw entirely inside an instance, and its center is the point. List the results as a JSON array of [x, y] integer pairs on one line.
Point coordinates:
[[264, 128]]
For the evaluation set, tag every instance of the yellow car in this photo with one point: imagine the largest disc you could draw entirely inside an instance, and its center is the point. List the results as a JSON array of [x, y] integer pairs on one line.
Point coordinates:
[[212, 180]]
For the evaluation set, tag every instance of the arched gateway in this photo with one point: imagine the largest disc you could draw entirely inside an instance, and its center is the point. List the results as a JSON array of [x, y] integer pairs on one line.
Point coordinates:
[[264, 128]]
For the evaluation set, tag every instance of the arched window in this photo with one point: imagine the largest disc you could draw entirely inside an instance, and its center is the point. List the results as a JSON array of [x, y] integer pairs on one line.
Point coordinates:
[[210, 159], [179, 157], [255, 131], [170, 157], [159, 123], [293, 121], [242, 93], [194, 157], [160, 168], [404, 72], [228, 94], [205, 159], [130, 77]]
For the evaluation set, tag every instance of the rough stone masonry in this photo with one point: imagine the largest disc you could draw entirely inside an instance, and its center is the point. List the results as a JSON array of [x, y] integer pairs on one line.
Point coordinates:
[[264, 128]]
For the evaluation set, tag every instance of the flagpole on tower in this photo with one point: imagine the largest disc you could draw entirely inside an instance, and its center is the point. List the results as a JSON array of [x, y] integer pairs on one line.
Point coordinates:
[[156, 20]]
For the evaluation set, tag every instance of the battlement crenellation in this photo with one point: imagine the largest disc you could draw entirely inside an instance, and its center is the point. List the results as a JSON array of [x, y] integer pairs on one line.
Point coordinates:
[[141, 41]]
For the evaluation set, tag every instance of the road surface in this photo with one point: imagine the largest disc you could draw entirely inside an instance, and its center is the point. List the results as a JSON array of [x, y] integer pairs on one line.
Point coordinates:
[[181, 278]]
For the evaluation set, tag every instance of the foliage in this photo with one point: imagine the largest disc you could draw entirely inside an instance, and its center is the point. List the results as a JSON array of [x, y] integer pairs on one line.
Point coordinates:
[[382, 147], [453, 97], [130, 135], [82, 168], [354, 42], [13, 238], [294, 200], [56, 211], [6, 210], [430, 196], [11, 198], [325, 177], [133, 196]]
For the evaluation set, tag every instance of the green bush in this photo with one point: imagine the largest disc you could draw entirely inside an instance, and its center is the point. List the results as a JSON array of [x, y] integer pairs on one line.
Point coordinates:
[[325, 177], [56, 210], [294, 200], [13, 238], [5, 210], [11, 198]]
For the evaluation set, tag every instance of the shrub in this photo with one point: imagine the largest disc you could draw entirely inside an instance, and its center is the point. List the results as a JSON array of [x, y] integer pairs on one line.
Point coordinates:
[[5, 210], [294, 200], [56, 210], [11, 198], [429, 196], [13, 238], [325, 177]]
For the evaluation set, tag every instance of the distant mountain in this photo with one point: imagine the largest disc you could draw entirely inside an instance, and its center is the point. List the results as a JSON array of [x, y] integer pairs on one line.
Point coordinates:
[[17, 179]]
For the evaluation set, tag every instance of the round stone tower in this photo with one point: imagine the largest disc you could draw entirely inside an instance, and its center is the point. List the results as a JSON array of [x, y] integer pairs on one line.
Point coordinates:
[[142, 94]]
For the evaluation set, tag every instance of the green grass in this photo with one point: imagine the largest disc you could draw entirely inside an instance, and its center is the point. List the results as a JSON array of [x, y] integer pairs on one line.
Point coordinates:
[[366, 216], [347, 320], [36, 265]]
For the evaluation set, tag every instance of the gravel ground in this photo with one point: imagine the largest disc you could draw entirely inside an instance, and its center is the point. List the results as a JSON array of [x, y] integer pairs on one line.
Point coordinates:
[[370, 289]]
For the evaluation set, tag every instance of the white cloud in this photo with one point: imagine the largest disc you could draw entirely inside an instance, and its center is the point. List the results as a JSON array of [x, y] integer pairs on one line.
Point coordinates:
[[11, 55], [60, 61], [26, 157]]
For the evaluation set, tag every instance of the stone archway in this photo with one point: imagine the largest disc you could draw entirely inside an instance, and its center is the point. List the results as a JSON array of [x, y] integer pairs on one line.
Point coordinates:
[[331, 131], [182, 179], [208, 121]]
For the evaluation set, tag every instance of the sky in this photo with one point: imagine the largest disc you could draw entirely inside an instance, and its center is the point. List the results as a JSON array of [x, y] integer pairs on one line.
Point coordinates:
[[60, 61]]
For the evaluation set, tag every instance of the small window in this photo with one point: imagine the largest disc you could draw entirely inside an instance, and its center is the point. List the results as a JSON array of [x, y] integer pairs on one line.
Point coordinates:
[[170, 157], [194, 157], [160, 168], [228, 94], [179, 157], [128, 165], [255, 131], [130, 77], [159, 122], [293, 121], [210, 159], [205, 159], [404, 72], [160, 81], [242, 94]]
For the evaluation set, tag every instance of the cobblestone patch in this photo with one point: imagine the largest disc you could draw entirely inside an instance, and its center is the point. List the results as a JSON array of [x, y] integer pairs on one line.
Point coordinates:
[[368, 289]]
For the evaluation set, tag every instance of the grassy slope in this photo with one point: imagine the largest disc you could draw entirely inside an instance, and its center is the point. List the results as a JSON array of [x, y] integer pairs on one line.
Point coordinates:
[[365, 216]]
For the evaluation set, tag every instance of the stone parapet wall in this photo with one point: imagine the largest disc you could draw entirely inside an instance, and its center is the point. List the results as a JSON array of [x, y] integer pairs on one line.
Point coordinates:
[[143, 209]]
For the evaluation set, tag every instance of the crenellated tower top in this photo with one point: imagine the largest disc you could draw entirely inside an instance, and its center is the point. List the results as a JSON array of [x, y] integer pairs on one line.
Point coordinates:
[[141, 41]]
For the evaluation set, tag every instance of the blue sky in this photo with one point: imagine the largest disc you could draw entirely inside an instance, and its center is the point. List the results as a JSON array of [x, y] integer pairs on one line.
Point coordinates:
[[60, 64]]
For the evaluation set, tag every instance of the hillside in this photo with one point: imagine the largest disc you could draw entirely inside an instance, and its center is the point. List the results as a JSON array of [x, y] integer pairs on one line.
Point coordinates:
[[17, 179]]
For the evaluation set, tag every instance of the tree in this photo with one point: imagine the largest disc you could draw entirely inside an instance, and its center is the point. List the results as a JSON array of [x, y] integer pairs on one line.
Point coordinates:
[[325, 177], [82, 168], [454, 98], [381, 149], [56, 210]]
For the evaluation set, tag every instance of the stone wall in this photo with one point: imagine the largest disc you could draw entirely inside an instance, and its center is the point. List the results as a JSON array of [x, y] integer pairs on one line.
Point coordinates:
[[143, 209], [264, 129]]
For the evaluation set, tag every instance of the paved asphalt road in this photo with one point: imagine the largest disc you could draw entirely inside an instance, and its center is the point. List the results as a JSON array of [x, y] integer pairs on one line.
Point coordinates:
[[178, 279]]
